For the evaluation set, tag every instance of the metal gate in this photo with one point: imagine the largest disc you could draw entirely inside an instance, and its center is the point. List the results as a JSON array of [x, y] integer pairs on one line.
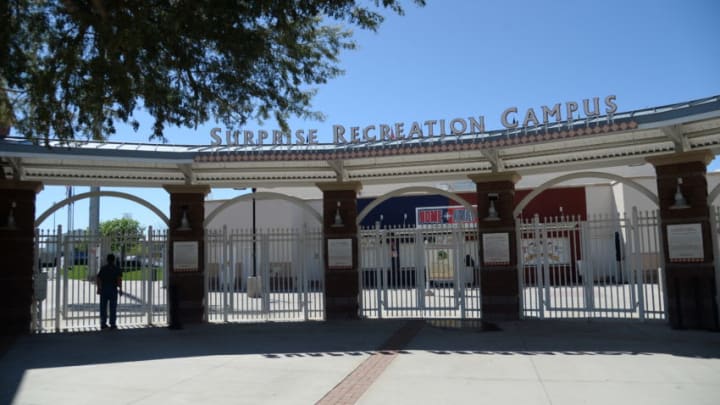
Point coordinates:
[[715, 231], [424, 272], [602, 267], [65, 270], [275, 274]]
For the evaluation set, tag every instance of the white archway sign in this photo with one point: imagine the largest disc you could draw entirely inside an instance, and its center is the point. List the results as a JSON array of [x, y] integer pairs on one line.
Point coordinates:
[[413, 190], [263, 195], [642, 189], [101, 193]]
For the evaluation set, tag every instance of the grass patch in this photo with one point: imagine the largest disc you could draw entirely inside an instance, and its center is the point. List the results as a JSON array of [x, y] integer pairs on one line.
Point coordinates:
[[80, 272], [135, 275]]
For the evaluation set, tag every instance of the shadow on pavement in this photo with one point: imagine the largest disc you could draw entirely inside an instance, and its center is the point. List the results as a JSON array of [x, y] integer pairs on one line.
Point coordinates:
[[346, 338]]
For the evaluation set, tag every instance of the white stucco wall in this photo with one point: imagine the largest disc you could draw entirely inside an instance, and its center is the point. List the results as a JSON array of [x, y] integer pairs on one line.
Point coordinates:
[[713, 179], [269, 214], [279, 253], [634, 198], [599, 199]]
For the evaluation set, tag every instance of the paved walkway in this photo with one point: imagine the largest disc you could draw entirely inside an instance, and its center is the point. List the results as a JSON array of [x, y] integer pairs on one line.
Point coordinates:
[[368, 362]]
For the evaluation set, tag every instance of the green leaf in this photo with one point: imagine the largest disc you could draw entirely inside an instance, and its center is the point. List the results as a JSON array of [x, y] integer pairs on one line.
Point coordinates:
[[76, 69]]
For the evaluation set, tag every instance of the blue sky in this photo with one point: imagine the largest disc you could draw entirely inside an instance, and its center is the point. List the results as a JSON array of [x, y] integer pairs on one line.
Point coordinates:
[[461, 58]]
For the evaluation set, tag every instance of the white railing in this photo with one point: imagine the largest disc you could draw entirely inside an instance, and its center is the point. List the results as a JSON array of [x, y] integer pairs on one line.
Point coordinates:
[[425, 272], [602, 267], [65, 271], [275, 274]]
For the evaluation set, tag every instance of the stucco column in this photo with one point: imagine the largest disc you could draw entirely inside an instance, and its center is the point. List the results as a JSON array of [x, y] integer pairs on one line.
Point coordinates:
[[687, 239], [187, 264], [17, 232], [499, 273], [340, 229]]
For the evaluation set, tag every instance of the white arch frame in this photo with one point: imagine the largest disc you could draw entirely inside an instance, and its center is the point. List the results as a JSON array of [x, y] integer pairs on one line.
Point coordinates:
[[419, 190], [262, 195], [642, 189], [45, 215]]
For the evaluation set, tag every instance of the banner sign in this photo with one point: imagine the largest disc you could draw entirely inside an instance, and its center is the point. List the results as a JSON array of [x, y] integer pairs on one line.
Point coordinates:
[[456, 214]]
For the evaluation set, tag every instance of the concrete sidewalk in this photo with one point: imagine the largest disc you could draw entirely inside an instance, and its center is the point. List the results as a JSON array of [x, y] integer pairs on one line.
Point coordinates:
[[543, 362]]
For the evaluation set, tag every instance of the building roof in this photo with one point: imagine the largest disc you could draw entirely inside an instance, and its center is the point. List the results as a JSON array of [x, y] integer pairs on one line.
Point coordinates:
[[606, 141]]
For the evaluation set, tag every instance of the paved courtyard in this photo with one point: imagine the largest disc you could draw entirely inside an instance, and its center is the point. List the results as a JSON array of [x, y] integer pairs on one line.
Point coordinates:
[[368, 362]]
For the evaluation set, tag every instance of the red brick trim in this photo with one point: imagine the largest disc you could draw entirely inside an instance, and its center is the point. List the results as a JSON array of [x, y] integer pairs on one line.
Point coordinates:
[[354, 385]]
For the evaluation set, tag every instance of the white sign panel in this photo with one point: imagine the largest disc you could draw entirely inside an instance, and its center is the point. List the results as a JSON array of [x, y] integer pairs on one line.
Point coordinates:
[[185, 256], [496, 248], [685, 243], [340, 253], [558, 251]]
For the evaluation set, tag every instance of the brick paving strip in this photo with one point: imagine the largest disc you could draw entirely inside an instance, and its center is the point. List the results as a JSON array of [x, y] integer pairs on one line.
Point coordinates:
[[351, 388]]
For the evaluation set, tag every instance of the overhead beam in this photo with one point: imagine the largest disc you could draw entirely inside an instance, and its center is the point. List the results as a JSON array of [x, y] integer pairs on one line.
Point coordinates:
[[187, 171], [676, 134], [493, 155], [17, 166], [338, 167]]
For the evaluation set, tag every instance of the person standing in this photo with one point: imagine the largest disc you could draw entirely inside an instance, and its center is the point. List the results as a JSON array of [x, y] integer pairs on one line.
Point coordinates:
[[109, 285]]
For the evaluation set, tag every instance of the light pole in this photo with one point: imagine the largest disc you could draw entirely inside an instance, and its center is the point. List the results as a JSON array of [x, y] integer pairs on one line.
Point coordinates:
[[254, 289], [253, 282], [428, 291], [254, 246]]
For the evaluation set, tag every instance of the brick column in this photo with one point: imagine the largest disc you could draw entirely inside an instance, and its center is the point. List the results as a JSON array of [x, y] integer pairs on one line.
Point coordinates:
[[340, 228], [17, 252], [499, 280], [690, 282], [187, 283]]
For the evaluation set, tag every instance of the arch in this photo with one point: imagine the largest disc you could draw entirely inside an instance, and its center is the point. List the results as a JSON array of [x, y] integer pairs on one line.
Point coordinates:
[[263, 195], [45, 215], [415, 189], [642, 189], [713, 195]]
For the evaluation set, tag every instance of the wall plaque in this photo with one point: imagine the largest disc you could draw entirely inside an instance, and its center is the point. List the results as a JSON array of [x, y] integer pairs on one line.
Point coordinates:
[[185, 256], [340, 255], [685, 243], [496, 248]]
